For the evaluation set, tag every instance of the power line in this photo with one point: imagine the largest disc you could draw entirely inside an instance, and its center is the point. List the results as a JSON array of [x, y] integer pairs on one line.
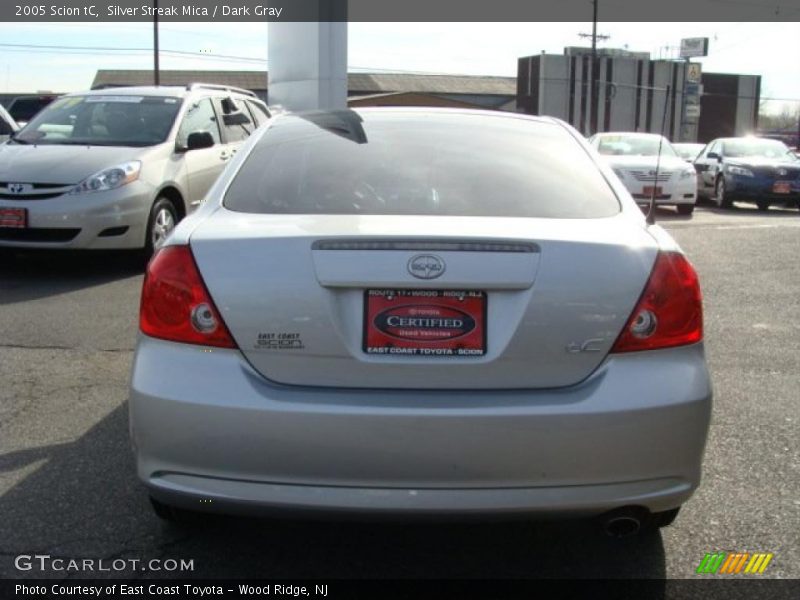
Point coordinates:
[[103, 49]]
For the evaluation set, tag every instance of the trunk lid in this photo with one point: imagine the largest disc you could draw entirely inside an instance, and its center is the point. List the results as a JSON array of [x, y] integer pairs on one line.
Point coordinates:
[[292, 291]]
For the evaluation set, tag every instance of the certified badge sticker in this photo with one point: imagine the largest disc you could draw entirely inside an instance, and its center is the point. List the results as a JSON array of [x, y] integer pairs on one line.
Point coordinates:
[[425, 322]]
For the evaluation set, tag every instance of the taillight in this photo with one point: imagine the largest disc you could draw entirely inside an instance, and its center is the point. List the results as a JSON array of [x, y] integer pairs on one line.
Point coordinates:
[[669, 311], [176, 305]]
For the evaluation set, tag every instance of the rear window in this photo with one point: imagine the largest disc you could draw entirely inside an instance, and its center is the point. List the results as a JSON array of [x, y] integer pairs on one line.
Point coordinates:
[[409, 163]]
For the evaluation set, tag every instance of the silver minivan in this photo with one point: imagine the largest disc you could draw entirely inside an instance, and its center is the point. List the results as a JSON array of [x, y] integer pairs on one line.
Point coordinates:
[[118, 168]]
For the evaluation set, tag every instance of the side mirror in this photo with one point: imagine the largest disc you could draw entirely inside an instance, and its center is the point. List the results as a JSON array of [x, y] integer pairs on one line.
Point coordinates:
[[713, 155], [198, 140]]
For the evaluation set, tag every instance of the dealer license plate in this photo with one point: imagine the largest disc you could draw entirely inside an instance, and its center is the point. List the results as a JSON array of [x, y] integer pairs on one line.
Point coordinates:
[[436, 323], [15, 218], [782, 187], [649, 190]]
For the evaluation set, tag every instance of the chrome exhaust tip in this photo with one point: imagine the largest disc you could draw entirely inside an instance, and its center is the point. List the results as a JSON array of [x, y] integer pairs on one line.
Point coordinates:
[[622, 526]]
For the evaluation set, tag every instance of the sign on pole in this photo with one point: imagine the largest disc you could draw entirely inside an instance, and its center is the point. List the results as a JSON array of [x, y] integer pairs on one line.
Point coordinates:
[[693, 72], [691, 47]]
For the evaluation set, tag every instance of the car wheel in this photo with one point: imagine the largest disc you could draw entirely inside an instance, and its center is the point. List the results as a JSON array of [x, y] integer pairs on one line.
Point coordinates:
[[763, 205], [720, 194], [7, 256], [685, 209], [162, 220], [663, 519], [173, 514]]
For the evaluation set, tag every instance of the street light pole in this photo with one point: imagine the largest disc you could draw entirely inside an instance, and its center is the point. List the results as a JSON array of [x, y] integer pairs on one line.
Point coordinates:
[[156, 74], [593, 88]]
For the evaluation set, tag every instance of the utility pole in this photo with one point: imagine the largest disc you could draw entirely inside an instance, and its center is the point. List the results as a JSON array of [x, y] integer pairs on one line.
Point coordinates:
[[593, 95], [156, 74]]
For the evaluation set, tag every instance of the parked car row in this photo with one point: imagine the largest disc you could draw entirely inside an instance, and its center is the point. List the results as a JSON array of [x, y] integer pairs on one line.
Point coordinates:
[[118, 168], [750, 169]]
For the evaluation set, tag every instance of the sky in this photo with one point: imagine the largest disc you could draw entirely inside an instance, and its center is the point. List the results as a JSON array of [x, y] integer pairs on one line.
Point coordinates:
[[766, 49]]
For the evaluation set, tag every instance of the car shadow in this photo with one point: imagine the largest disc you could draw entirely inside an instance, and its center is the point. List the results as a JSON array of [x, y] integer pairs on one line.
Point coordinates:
[[32, 274], [81, 499]]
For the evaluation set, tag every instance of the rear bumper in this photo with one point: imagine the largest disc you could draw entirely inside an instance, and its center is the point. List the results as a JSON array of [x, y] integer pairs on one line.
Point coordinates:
[[253, 498], [205, 426]]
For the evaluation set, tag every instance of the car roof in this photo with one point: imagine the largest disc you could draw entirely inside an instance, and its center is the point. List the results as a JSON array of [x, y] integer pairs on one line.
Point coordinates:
[[641, 134], [178, 91], [747, 137], [431, 110]]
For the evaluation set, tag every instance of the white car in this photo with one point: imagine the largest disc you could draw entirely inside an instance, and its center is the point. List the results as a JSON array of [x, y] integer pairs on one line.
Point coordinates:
[[634, 157]]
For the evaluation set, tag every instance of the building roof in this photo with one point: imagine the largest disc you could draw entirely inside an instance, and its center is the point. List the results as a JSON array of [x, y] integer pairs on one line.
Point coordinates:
[[408, 99], [364, 83]]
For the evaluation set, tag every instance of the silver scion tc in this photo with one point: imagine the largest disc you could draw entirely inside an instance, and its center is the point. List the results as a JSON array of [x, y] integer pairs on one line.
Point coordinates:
[[420, 311]]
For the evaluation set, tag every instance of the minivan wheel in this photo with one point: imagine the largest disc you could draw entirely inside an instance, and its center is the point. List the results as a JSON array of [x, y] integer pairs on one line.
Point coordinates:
[[685, 209], [162, 220]]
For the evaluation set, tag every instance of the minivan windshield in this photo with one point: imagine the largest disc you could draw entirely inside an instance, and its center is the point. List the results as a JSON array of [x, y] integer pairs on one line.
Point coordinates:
[[417, 163], [95, 120]]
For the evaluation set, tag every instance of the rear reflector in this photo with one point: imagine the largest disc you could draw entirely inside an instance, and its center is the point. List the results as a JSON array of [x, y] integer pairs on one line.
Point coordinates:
[[669, 312], [176, 305]]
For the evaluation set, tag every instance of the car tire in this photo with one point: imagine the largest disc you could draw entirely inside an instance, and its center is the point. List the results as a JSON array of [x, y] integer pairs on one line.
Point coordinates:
[[685, 209], [721, 197], [762, 205], [173, 514], [663, 519], [162, 220], [7, 256]]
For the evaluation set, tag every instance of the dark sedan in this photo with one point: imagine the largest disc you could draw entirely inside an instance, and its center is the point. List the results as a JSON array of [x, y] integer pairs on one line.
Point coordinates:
[[749, 169]]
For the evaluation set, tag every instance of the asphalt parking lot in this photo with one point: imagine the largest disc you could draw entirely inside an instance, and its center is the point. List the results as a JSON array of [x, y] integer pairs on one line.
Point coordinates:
[[68, 489]]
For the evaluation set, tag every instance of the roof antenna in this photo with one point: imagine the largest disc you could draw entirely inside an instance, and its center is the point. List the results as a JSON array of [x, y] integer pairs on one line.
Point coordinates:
[[651, 213]]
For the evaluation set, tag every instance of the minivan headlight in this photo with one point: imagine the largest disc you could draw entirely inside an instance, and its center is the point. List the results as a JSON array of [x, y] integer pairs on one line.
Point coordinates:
[[109, 179], [686, 173]]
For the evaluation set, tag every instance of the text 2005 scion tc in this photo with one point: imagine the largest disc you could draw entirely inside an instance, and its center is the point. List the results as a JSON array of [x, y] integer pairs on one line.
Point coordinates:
[[421, 311]]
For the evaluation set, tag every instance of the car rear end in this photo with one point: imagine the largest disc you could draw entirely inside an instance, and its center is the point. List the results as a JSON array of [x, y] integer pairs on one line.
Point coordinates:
[[487, 331]]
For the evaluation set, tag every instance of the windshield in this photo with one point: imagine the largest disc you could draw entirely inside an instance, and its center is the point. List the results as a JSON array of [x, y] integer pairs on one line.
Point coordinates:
[[633, 145], [103, 121], [345, 162], [688, 152], [756, 148]]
